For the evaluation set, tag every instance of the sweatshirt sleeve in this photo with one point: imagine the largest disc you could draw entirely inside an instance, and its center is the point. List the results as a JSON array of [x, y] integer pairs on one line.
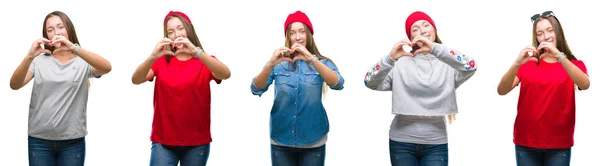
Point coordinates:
[[464, 65], [379, 77]]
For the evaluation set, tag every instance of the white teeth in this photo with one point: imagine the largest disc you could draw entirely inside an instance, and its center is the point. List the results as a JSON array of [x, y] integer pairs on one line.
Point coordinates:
[[530, 53]]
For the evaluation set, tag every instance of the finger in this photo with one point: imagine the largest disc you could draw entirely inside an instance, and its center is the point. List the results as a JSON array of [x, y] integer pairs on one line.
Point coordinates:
[[420, 51], [43, 41], [544, 55], [533, 59], [287, 59], [167, 53], [417, 39], [297, 58], [408, 54]]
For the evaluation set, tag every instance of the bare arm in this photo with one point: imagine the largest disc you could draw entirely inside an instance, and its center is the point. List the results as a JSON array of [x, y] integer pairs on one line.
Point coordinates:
[[579, 77], [22, 75], [219, 70], [144, 72], [509, 80], [100, 66], [329, 76], [260, 81]]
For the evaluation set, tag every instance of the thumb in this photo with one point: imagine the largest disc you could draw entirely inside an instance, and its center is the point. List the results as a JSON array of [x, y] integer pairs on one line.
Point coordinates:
[[288, 59], [167, 53], [533, 59], [46, 51]]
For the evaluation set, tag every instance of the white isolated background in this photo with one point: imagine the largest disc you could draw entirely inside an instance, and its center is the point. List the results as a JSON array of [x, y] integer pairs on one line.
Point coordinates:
[[244, 34]]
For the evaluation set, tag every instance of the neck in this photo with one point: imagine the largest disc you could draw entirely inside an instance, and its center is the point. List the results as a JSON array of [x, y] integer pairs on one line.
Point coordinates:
[[183, 56], [550, 59], [63, 55]]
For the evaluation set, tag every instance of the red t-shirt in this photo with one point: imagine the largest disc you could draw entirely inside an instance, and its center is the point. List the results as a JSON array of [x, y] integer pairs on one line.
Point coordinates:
[[546, 108], [181, 102]]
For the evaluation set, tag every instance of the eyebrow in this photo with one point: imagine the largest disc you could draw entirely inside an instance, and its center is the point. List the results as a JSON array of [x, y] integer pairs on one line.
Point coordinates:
[[49, 26], [178, 26]]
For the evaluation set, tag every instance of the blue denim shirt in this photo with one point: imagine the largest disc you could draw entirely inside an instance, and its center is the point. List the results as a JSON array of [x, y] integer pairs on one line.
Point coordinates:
[[298, 117]]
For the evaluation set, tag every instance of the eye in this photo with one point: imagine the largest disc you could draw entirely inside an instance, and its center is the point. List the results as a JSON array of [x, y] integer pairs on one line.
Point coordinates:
[[414, 30]]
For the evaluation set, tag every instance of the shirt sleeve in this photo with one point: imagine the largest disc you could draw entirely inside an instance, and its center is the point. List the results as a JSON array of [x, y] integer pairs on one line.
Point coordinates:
[[258, 91], [340, 83], [379, 76], [32, 68], [156, 66]]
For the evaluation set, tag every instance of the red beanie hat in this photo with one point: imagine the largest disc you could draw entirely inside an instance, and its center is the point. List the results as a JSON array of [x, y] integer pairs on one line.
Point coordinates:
[[414, 17], [297, 16], [171, 13]]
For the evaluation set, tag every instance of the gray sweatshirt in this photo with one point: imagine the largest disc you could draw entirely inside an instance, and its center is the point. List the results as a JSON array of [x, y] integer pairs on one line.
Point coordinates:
[[424, 85]]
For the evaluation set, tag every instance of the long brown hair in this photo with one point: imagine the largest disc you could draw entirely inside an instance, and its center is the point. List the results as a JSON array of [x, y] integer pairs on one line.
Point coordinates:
[[68, 25], [561, 41], [311, 46], [190, 32], [72, 34]]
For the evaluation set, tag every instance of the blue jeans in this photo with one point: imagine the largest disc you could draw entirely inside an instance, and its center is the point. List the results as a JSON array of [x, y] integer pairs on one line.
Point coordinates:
[[56, 153], [409, 154], [288, 156], [527, 156], [165, 155]]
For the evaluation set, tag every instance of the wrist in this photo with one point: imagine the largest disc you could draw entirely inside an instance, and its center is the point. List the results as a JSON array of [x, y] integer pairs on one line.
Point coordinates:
[[198, 52], [313, 59], [392, 58], [76, 49], [561, 57]]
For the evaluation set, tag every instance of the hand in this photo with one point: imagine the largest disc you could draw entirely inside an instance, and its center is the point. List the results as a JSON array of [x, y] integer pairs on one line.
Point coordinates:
[[184, 45], [398, 50], [527, 54], [161, 48], [425, 45], [303, 53], [278, 56], [550, 50], [36, 48], [61, 43]]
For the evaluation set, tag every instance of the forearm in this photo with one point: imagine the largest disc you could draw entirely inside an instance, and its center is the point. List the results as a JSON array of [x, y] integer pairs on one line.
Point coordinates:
[[260, 81], [18, 78], [506, 84], [96, 61], [219, 69], [579, 77], [454, 59], [328, 75], [140, 74]]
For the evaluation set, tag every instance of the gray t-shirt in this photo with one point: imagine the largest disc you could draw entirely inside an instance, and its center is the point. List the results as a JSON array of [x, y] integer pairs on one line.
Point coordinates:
[[419, 129], [57, 110]]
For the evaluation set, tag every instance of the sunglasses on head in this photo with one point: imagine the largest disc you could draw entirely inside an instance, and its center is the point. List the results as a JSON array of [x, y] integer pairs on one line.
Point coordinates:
[[546, 14]]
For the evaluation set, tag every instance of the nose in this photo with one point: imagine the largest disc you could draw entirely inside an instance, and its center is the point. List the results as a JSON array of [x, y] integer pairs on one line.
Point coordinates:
[[178, 34], [547, 36]]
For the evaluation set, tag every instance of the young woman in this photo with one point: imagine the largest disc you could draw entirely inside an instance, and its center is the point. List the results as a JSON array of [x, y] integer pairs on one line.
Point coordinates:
[[299, 123], [545, 122], [423, 85], [57, 110], [183, 71]]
